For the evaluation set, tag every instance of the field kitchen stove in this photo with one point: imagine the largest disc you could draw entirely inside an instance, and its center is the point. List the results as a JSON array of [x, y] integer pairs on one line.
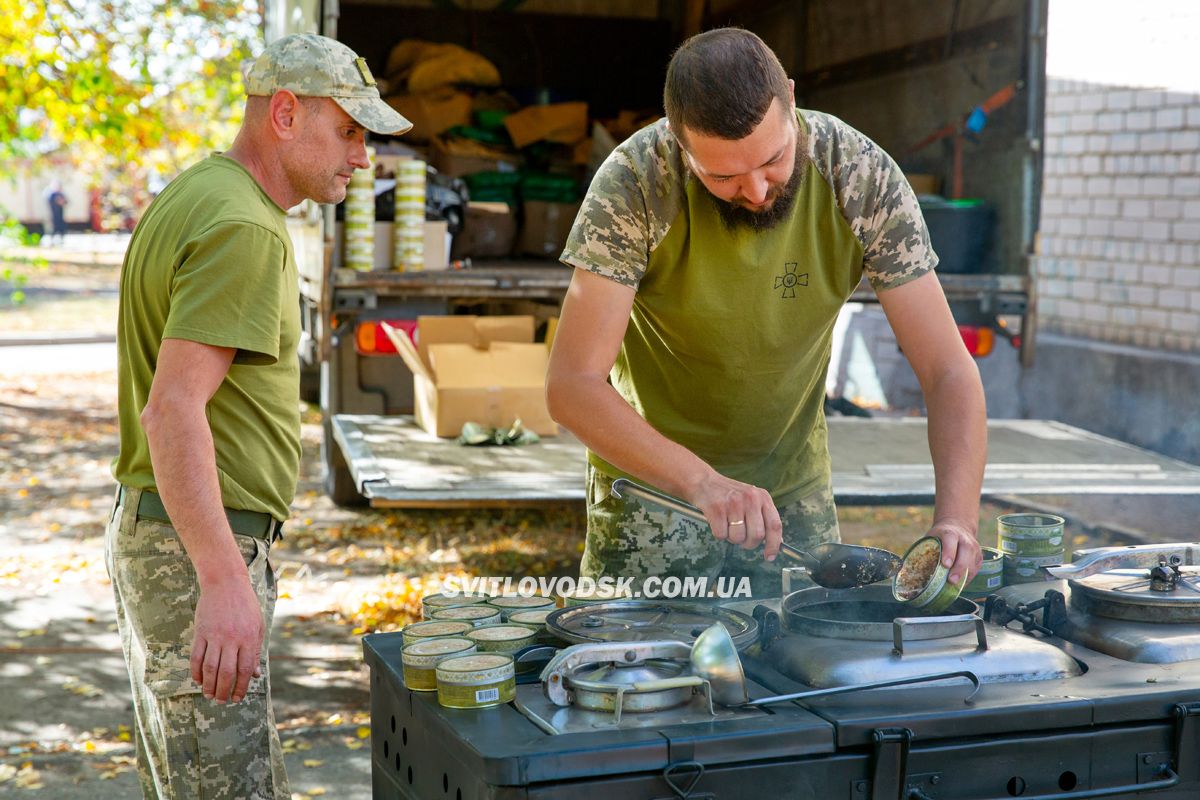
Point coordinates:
[[1090, 688]]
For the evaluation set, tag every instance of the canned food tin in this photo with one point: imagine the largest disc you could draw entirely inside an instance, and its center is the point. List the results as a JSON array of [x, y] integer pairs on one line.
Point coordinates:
[[535, 619], [508, 604], [534, 616], [1020, 569], [923, 582], [435, 602], [433, 629], [476, 681], [990, 576], [502, 638], [478, 615], [421, 657], [1030, 535]]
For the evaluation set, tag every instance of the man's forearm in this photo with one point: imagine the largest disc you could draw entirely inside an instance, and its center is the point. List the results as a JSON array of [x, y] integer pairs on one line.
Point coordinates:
[[958, 445], [185, 473]]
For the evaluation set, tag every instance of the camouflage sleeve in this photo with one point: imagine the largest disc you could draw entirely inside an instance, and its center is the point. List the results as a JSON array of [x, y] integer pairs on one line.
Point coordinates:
[[880, 207], [611, 234]]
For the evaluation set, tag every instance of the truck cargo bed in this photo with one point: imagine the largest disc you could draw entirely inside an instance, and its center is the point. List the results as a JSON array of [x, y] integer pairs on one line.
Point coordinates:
[[881, 460]]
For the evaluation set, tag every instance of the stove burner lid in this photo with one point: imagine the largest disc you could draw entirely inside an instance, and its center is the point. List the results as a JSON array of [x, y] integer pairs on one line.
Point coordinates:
[[1139, 596], [610, 676], [644, 621]]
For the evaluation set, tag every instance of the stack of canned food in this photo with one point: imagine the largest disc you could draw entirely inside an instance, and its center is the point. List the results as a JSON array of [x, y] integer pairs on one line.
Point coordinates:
[[408, 231], [359, 223], [465, 647], [1029, 542]]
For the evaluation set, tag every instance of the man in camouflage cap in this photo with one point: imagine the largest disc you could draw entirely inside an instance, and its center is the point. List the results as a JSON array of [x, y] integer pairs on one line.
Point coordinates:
[[209, 423], [713, 253]]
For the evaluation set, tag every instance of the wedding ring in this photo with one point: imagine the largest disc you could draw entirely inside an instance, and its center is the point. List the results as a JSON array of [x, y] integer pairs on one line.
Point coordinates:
[[737, 522]]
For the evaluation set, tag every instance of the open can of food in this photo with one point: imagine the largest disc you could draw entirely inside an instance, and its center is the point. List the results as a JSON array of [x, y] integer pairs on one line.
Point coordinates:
[[923, 581]]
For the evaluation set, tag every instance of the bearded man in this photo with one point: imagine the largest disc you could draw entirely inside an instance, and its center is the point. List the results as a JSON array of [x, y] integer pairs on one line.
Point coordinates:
[[712, 255]]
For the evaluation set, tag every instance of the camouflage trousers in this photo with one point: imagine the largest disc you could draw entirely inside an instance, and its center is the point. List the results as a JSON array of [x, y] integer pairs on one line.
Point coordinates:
[[188, 747], [629, 538]]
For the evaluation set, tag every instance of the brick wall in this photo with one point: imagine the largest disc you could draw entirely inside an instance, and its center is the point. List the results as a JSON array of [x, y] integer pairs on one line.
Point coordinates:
[[1119, 246]]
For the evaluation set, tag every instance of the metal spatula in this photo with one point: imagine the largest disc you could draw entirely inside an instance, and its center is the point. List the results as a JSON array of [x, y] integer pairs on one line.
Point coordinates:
[[832, 565]]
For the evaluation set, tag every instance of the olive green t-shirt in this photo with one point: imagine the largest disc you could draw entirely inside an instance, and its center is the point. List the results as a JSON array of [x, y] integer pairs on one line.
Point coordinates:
[[729, 339], [211, 262]]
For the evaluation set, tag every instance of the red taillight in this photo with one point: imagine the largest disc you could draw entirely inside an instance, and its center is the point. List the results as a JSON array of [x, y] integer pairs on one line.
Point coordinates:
[[979, 340], [370, 340]]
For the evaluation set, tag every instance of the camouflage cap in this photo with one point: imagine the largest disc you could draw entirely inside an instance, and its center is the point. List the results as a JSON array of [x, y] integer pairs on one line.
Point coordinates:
[[316, 66]]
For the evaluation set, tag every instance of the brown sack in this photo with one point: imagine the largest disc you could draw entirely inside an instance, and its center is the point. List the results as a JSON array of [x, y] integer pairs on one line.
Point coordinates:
[[562, 123]]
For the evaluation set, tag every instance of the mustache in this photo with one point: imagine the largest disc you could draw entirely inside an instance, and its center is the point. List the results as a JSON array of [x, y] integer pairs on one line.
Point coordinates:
[[735, 216]]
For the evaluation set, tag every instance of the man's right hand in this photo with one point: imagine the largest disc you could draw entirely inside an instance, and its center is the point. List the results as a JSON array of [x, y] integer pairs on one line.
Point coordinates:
[[740, 513], [228, 640]]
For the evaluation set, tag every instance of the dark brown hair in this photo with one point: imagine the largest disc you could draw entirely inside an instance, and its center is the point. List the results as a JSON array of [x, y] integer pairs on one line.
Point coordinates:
[[721, 83]]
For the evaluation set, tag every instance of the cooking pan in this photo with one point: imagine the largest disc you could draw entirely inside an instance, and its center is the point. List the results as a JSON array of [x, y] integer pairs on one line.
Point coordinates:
[[832, 565]]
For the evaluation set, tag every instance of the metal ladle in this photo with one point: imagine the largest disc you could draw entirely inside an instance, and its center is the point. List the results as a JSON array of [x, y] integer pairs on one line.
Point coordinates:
[[715, 659], [832, 565]]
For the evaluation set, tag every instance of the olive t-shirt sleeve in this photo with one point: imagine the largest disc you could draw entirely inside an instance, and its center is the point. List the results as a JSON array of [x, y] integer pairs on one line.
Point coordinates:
[[228, 290]]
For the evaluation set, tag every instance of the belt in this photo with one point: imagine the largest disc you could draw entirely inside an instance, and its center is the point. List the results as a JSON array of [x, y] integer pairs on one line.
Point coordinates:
[[258, 524]]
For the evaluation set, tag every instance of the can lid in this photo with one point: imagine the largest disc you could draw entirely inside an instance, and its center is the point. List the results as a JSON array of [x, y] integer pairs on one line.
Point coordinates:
[[436, 628], [472, 663], [499, 633], [437, 647], [534, 616], [441, 600], [521, 601], [464, 612]]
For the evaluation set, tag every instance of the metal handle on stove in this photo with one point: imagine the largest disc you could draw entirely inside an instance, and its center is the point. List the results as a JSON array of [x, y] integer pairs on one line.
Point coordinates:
[[663, 684], [1145, 556], [948, 626], [941, 676]]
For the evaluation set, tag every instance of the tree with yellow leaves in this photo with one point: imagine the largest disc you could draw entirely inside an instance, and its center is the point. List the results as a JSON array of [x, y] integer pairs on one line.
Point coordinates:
[[122, 84]]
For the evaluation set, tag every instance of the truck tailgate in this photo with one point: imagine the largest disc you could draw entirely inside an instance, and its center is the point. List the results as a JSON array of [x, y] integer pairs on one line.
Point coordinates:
[[882, 460], [397, 464]]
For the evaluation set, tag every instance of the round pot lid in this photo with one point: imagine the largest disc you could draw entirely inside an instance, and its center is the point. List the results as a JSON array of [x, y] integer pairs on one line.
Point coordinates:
[[1126, 594], [648, 621]]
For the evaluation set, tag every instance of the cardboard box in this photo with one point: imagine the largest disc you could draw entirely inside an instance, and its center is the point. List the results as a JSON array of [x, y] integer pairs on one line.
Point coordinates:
[[458, 157], [476, 369], [437, 245], [489, 230], [546, 227]]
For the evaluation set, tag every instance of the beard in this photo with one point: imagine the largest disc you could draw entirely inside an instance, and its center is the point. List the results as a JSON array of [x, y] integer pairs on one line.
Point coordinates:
[[783, 198]]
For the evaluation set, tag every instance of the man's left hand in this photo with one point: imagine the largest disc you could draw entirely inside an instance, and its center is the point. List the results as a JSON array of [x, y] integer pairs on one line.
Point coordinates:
[[960, 550]]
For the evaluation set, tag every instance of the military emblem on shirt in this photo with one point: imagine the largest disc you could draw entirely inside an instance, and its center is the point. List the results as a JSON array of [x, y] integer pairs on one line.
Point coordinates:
[[789, 280]]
